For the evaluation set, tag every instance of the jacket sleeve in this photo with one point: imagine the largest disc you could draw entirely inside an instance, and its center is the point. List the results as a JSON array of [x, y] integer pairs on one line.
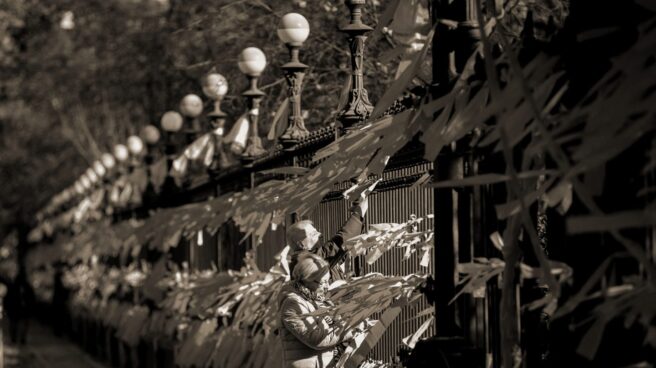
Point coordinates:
[[315, 332], [332, 251]]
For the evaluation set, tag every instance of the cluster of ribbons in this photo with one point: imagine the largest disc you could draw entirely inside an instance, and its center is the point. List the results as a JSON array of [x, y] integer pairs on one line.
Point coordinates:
[[225, 319]]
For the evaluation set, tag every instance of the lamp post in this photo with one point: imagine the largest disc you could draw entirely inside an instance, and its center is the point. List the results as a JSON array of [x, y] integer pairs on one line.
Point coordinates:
[[85, 183], [99, 169], [136, 149], [151, 135], [215, 86], [93, 178], [171, 123], [358, 108], [109, 162], [293, 31], [191, 106], [67, 195], [121, 153], [97, 173], [79, 187], [252, 62]]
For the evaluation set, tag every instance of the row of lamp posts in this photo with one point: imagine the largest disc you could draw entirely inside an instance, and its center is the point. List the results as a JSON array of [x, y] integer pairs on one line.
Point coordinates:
[[293, 31]]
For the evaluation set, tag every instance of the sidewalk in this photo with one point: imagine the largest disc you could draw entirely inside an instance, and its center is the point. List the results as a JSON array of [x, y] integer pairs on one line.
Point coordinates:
[[44, 350]]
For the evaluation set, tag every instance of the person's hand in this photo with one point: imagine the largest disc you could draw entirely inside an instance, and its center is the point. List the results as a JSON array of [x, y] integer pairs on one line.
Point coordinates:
[[362, 326]]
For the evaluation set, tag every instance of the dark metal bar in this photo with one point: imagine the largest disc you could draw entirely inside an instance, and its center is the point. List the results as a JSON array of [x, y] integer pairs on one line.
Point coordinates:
[[445, 252]]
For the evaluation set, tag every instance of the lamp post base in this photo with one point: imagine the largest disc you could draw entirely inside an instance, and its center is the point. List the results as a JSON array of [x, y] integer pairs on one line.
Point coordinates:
[[253, 149], [294, 134]]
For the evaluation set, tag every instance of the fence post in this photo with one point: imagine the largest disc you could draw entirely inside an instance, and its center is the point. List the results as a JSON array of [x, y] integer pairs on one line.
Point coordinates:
[[445, 252], [456, 27]]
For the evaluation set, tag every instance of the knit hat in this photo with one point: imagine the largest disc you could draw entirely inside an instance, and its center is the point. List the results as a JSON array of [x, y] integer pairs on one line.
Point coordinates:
[[298, 232], [310, 267]]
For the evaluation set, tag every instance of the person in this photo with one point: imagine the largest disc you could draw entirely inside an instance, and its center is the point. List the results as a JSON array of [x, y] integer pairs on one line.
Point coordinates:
[[308, 341], [59, 299], [19, 301], [302, 236]]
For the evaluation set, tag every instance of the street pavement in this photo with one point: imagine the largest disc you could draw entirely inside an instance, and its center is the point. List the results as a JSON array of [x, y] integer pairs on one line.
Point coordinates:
[[44, 349]]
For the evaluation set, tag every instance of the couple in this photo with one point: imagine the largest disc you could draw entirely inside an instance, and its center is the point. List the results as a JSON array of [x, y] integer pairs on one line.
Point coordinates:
[[310, 342]]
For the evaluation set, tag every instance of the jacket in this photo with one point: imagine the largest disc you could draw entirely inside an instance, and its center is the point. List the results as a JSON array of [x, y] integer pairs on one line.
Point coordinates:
[[307, 342], [332, 251]]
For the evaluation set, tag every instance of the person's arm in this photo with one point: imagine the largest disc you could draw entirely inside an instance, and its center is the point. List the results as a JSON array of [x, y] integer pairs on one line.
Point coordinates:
[[315, 332], [333, 251]]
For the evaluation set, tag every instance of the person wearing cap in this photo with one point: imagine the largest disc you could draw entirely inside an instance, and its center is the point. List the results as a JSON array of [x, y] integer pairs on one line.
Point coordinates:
[[308, 341], [302, 236]]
